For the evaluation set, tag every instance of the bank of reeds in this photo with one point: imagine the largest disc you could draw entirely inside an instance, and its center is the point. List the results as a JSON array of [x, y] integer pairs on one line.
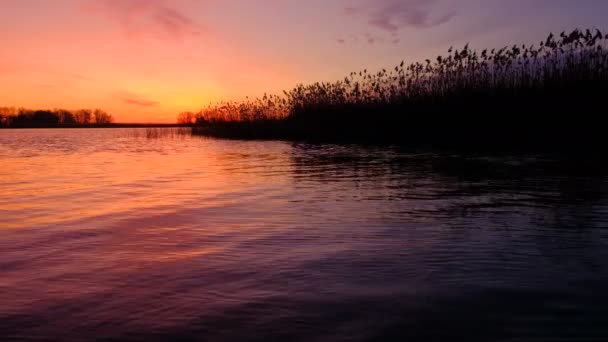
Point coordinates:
[[546, 94]]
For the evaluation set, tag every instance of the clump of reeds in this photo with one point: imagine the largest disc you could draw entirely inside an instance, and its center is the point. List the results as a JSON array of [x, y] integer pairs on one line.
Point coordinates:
[[160, 132], [564, 72]]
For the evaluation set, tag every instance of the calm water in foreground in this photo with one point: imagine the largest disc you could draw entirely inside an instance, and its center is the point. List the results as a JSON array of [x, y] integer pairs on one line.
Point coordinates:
[[105, 234]]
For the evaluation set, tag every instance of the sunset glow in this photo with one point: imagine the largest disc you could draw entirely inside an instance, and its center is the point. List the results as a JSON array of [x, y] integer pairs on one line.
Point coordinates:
[[308, 170], [147, 60]]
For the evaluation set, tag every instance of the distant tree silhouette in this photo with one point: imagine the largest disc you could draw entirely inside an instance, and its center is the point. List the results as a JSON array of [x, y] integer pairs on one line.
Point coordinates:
[[6, 116], [66, 118], [37, 118], [44, 118], [11, 117], [102, 118], [186, 118], [83, 116]]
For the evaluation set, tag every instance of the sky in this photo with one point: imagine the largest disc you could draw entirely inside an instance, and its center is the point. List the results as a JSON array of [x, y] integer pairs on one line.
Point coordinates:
[[148, 60]]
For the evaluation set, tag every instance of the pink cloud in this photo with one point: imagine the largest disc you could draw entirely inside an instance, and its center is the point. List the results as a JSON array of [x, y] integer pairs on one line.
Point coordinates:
[[392, 15], [351, 10], [159, 18], [136, 100], [371, 39]]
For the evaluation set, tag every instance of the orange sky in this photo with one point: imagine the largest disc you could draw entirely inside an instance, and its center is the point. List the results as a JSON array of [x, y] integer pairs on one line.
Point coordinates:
[[147, 60]]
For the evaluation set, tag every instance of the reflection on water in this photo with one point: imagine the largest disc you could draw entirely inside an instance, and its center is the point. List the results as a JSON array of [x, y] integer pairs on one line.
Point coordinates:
[[108, 235]]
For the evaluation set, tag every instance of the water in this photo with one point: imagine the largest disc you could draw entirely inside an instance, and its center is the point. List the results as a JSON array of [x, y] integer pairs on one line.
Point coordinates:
[[107, 235]]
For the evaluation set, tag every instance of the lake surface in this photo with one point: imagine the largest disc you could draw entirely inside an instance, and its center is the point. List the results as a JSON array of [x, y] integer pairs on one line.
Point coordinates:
[[106, 234]]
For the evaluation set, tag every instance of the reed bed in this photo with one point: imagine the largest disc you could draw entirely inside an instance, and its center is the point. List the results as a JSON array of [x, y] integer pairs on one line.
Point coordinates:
[[520, 94]]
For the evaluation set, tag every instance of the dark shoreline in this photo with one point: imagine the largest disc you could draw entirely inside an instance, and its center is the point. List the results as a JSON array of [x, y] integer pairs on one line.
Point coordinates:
[[586, 137]]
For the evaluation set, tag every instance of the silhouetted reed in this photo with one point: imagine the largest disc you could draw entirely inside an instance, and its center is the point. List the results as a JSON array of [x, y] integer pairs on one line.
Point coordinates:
[[543, 94], [160, 132]]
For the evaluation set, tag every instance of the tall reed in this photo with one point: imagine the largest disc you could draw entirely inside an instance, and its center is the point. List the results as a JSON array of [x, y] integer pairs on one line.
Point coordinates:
[[567, 72]]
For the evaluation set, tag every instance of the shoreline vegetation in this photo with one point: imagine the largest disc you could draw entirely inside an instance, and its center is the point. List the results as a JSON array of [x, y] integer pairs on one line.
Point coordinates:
[[11, 117], [547, 95]]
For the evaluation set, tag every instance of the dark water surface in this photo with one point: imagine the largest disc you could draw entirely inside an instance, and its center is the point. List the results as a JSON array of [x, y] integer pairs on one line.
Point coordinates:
[[107, 235]]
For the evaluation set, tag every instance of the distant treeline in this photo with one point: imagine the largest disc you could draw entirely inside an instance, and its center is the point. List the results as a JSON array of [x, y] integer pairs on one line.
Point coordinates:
[[11, 117], [545, 94]]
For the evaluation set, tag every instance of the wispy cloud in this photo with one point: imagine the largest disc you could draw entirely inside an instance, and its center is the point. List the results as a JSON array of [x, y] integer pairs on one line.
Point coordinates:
[[74, 76], [392, 15], [136, 100], [351, 9], [159, 18], [372, 39]]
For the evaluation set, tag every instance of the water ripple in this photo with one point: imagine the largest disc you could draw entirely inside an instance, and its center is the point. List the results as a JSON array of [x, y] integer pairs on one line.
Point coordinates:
[[109, 235]]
